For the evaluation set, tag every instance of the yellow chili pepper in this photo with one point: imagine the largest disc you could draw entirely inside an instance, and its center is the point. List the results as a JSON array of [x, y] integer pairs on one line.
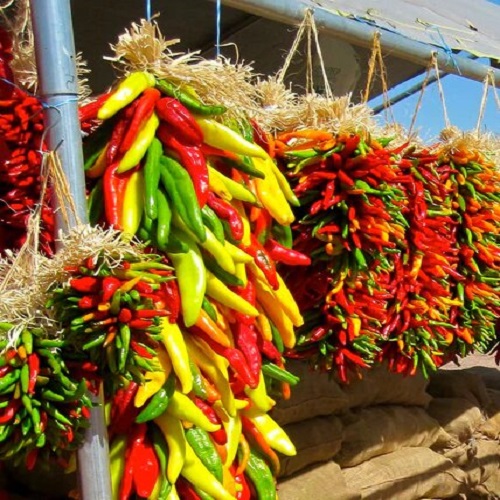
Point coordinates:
[[259, 396], [214, 368], [97, 169], [237, 191], [275, 436], [277, 315], [141, 144], [133, 203], [283, 183], [263, 325], [154, 381], [241, 272], [220, 292], [271, 195], [198, 475], [117, 463], [233, 428], [176, 440], [173, 340], [219, 136], [218, 186], [282, 295], [183, 408], [239, 256], [246, 239], [133, 85]]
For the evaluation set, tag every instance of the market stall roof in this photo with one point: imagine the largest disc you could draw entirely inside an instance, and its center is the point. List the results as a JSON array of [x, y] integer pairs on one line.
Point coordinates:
[[261, 30], [453, 25]]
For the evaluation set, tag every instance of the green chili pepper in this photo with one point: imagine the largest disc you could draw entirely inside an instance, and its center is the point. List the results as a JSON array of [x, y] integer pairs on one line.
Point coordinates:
[[277, 340], [161, 449], [226, 277], [95, 342], [198, 387], [124, 336], [261, 477], [180, 189], [54, 412], [283, 235], [277, 373], [192, 278], [164, 220], [95, 203], [209, 309], [152, 178], [8, 381], [193, 104], [213, 223], [158, 403], [205, 450]]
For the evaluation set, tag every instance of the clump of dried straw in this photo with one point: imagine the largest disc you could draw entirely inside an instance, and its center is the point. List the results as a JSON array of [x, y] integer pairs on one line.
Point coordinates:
[[143, 48]]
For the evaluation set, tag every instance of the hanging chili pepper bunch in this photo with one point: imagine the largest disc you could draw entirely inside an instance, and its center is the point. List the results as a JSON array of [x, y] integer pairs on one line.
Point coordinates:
[[424, 313], [44, 409], [21, 130], [476, 183], [352, 225], [209, 197]]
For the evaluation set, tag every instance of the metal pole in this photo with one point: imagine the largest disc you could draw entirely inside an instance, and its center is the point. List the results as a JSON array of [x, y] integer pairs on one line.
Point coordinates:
[[55, 57], [357, 33]]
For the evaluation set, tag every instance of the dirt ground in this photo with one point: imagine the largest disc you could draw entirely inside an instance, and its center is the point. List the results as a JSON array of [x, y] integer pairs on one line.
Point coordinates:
[[474, 360]]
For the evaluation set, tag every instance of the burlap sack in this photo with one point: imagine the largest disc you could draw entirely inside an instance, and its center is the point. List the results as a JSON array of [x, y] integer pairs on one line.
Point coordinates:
[[406, 474], [374, 431], [459, 384], [491, 428], [316, 440], [483, 462], [490, 375], [316, 394], [324, 482], [459, 417], [380, 386]]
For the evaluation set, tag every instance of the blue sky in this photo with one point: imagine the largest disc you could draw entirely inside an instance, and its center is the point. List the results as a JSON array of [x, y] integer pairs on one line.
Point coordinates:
[[463, 100]]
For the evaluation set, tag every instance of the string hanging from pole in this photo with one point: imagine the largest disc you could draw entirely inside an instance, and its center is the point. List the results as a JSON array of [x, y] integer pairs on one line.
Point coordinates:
[[447, 122], [484, 100], [422, 91], [218, 10]]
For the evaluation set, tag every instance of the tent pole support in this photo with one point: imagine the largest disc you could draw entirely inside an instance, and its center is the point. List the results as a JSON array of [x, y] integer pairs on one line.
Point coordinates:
[[58, 90]]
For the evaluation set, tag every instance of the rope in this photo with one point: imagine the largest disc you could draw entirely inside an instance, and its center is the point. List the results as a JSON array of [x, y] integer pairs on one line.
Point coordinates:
[[447, 123], [421, 95], [371, 66], [484, 100], [328, 89], [218, 11], [293, 50]]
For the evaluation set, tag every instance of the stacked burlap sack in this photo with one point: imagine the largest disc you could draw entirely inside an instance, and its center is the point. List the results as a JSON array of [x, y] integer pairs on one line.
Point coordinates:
[[391, 437]]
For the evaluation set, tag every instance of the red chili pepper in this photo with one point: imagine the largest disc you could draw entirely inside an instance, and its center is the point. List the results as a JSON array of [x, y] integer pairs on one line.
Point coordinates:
[[144, 108], [119, 131], [253, 435], [192, 159], [88, 302], [143, 287], [220, 436], [140, 324], [88, 111], [181, 122], [30, 463], [263, 261], [145, 464], [260, 137], [125, 315], [114, 185], [186, 490], [288, 256], [141, 350], [109, 285], [34, 368], [245, 337], [226, 211], [173, 299], [235, 357], [123, 411], [9, 412], [149, 313], [4, 370], [85, 284]]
